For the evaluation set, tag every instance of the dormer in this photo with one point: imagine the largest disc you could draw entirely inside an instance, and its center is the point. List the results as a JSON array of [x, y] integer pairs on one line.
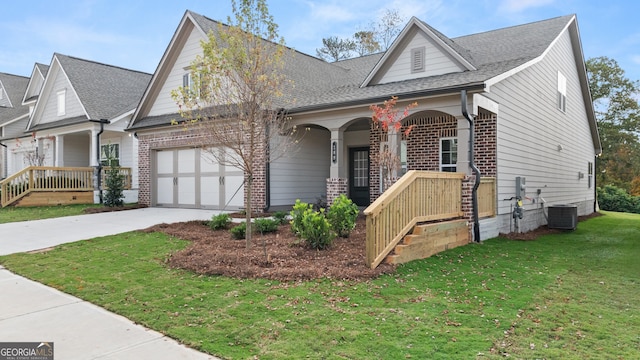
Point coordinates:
[[419, 51]]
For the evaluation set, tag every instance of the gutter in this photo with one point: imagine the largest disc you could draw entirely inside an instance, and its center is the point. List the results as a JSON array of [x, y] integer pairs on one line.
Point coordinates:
[[403, 96], [472, 165]]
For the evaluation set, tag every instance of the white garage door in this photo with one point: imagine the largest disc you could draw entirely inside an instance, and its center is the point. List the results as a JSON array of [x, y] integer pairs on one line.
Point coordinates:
[[190, 178]]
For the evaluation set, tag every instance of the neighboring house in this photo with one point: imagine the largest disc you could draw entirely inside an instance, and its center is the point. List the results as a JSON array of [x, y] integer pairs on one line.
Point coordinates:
[[526, 87], [67, 102], [13, 115]]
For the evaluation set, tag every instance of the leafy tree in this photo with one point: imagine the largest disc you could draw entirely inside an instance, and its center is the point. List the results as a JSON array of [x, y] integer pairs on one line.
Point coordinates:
[[618, 115], [238, 85], [365, 42], [388, 119], [335, 49]]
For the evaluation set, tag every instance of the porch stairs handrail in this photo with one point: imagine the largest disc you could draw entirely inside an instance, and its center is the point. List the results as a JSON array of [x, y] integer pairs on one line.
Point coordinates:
[[416, 197], [44, 178]]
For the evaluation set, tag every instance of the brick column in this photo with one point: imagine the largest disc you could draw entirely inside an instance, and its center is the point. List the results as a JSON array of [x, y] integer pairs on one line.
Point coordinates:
[[335, 187]]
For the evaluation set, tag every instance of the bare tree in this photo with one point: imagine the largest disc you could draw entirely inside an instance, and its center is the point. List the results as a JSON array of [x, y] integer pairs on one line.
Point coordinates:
[[234, 95], [388, 27]]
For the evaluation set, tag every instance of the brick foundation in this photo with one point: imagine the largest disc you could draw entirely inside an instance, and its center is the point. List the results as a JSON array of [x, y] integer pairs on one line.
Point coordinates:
[[335, 187]]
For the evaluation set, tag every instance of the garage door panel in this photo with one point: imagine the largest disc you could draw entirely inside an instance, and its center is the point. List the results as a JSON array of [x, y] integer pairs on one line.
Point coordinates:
[[210, 191], [234, 191], [164, 162], [187, 161], [164, 191]]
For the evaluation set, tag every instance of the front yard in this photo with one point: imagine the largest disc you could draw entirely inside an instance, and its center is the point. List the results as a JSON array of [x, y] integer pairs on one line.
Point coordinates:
[[571, 295]]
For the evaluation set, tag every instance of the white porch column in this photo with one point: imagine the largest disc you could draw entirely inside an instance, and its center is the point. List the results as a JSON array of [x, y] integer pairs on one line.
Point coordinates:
[[338, 161], [93, 151], [58, 151], [337, 183], [463, 146]]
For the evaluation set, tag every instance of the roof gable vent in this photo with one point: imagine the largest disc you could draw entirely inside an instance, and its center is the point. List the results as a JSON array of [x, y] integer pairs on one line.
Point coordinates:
[[417, 59]]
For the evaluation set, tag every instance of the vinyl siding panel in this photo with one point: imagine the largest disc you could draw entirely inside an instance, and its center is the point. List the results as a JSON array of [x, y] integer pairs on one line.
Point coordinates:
[[303, 172], [436, 61], [17, 128], [73, 106], [531, 128], [77, 150], [164, 104]]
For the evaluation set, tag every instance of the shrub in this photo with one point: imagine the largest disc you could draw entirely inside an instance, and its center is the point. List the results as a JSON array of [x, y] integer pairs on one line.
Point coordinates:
[[238, 232], [280, 217], [613, 198], [220, 221], [296, 216], [316, 230], [114, 182], [266, 225], [342, 215]]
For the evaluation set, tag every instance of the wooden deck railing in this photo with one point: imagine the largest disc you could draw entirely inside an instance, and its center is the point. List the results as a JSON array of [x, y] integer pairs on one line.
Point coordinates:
[[417, 197], [487, 197], [50, 178]]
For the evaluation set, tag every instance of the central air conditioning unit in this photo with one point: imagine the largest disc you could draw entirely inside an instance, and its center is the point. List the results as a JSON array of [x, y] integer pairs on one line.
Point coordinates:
[[564, 217]]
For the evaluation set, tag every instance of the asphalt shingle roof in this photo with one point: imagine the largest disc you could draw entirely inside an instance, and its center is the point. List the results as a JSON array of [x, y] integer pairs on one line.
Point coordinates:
[[318, 84], [105, 91], [15, 87]]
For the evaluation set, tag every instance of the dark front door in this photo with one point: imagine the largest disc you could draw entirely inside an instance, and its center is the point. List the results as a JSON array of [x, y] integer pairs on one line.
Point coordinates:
[[359, 175]]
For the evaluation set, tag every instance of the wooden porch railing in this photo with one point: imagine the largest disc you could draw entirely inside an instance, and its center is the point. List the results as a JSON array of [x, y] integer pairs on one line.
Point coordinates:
[[417, 197], [125, 172], [487, 197], [50, 178]]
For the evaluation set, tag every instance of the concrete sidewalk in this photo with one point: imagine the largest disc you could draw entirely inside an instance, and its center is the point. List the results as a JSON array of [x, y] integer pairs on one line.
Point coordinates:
[[32, 312]]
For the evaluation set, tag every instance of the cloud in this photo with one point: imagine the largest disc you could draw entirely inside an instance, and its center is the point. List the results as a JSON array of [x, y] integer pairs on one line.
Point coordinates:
[[636, 59], [517, 6]]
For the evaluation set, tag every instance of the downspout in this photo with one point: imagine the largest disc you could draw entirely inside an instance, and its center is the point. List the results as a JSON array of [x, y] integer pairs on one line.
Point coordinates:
[[472, 165], [5, 168], [99, 165]]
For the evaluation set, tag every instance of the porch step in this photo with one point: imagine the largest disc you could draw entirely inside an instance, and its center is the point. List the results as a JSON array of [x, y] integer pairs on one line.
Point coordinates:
[[427, 240]]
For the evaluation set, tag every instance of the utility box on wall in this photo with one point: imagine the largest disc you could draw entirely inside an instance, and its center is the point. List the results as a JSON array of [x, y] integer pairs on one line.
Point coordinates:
[[521, 187], [564, 217]]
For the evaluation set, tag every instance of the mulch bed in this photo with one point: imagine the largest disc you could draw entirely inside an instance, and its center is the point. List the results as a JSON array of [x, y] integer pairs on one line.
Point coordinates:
[[277, 256]]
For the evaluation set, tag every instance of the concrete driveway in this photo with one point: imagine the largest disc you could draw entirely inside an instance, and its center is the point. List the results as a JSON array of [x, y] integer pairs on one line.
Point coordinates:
[[40, 234], [32, 312]]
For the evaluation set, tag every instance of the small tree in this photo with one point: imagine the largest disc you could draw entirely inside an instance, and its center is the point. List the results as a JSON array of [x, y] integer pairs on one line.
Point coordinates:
[[235, 91], [335, 49], [366, 43], [114, 182], [387, 120]]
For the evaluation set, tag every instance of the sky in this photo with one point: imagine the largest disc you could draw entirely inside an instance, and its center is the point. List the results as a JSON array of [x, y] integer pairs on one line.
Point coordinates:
[[135, 33]]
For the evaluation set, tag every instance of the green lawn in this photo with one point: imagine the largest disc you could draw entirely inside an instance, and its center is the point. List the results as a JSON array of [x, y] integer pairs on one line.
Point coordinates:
[[571, 296], [13, 214]]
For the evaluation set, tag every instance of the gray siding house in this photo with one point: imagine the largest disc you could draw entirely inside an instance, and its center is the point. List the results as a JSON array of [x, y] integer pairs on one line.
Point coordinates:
[[526, 89]]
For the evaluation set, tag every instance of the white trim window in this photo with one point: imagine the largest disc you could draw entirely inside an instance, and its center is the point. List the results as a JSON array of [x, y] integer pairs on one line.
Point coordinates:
[[448, 154], [110, 152], [62, 102], [562, 92]]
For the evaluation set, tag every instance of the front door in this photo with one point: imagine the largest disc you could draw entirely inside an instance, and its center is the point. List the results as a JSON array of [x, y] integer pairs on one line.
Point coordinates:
[[359, 175]]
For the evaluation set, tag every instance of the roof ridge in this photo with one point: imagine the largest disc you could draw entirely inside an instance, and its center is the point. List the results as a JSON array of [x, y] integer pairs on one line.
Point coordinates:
[[513, 26], [101, 63]]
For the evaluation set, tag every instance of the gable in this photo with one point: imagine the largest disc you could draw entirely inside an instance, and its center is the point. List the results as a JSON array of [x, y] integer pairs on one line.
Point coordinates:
[[414, 50], [4, 97], [174, 72], [47, 107], [35, 86]]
